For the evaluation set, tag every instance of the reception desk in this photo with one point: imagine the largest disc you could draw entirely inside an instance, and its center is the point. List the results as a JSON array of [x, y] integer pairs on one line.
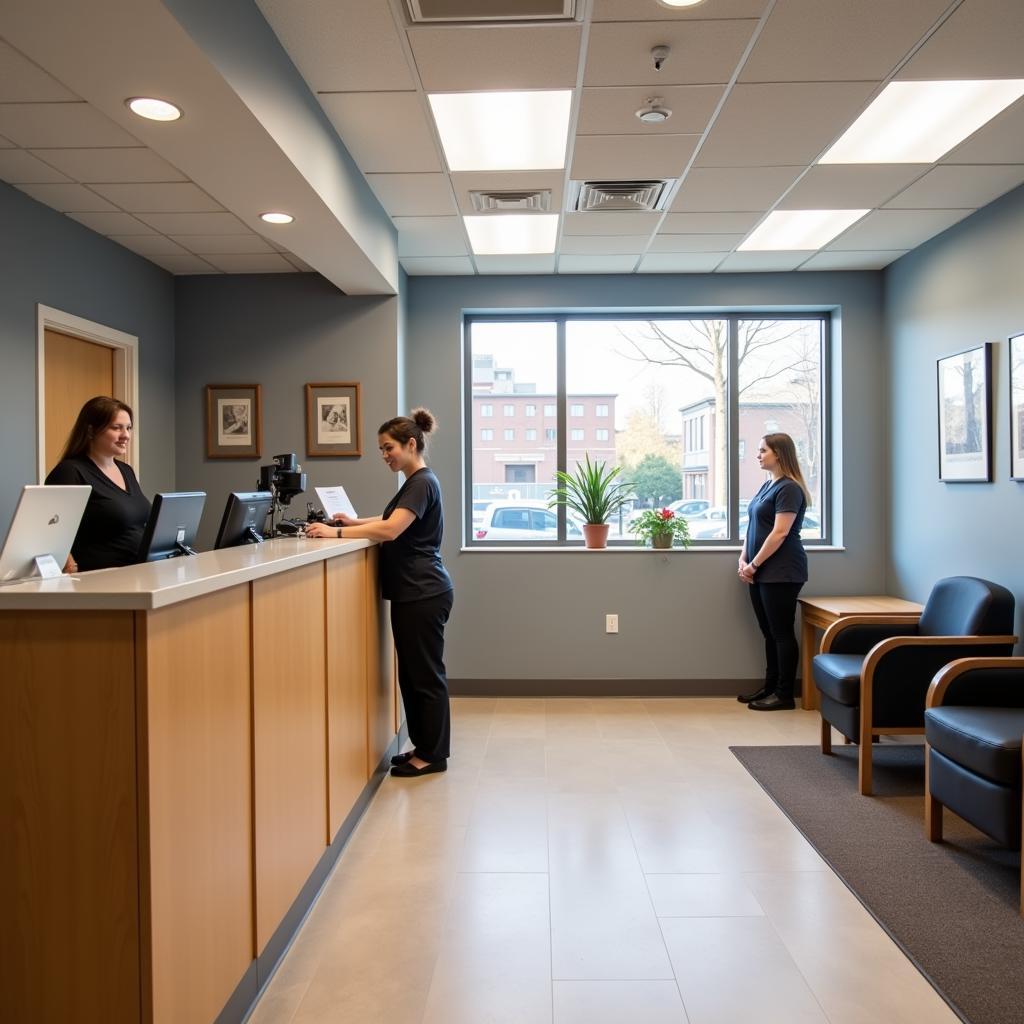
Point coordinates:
[[184, 747]]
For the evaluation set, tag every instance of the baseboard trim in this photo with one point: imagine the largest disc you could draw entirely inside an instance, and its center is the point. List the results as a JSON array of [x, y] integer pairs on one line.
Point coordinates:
[[603, 687]]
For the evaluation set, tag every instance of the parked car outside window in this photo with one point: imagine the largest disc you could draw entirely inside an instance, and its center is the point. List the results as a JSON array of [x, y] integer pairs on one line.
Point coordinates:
[[522, 520]]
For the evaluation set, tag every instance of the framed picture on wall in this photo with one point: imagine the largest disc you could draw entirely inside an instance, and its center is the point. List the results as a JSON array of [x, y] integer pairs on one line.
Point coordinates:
[[965, 416], [234, 421], [1017, 407], [332, 420]]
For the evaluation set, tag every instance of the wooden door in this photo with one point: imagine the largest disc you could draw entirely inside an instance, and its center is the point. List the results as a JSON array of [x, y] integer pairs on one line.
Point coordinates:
[[74, 371]]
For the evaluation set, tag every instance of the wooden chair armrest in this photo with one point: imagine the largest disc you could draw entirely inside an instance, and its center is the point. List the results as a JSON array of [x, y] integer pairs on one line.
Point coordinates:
[[880, 650], [863, 620], [946, 676]]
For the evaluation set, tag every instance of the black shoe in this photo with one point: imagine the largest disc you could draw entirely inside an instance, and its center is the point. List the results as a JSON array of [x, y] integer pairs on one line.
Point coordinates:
[[746, 698], [402, 758], [408, 771], [773, 702]]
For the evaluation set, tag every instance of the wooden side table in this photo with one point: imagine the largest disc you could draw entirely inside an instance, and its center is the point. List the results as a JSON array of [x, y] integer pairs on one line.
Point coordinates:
[[820, 612]]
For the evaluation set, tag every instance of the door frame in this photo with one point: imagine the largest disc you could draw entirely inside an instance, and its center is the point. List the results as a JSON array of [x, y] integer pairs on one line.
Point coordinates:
[[126, 371]]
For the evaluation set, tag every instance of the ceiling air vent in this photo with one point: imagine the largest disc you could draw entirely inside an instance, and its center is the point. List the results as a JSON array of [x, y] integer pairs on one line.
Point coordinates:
[[536, 200], [425, 12], [591, 196]]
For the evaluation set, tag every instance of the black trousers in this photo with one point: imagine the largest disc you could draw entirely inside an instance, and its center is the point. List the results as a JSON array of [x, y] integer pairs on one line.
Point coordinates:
[[775, 608], [418, 629]]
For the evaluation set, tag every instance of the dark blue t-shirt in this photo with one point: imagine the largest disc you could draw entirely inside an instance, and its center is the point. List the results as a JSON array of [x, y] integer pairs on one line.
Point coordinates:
[[789, 563]]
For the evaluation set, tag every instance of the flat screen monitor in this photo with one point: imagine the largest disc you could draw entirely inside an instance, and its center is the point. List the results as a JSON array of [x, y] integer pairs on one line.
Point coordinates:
[[45, 523], [244, 519], [172, 526]]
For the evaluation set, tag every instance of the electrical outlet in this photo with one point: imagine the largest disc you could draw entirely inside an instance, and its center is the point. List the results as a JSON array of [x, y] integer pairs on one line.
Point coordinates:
[[611, 623]]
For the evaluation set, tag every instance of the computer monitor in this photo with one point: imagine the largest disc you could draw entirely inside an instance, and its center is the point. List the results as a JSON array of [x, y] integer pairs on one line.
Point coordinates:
[[245, 515], [173, 525], [42, 531]]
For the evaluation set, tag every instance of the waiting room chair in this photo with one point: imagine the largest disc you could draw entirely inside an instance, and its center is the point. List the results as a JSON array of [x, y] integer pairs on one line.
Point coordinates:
[[973, 726], [874, 671]]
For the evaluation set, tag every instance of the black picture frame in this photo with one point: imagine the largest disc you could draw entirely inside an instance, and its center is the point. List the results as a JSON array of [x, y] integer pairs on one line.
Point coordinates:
[[964, 408]]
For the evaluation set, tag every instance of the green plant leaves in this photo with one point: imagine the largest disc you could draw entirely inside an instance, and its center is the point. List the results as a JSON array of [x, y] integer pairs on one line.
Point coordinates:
[[591, 491]]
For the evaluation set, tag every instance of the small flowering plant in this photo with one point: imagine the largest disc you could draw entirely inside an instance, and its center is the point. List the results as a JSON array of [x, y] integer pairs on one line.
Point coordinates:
[[661, 527]]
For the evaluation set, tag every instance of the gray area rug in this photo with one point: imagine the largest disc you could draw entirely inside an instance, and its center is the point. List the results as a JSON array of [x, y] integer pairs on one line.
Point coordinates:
[[952, 907]]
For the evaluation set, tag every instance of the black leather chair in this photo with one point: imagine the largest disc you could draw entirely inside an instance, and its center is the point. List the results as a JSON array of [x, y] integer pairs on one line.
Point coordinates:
[[874, 672], [973, 727]]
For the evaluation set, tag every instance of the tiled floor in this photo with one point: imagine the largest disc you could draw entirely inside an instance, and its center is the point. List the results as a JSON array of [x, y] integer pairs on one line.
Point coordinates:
[[592, 862]]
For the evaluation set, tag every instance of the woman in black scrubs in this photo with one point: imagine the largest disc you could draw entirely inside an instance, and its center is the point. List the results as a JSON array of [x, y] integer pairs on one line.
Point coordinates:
[[115, 516], [416, 582], [774, 564]]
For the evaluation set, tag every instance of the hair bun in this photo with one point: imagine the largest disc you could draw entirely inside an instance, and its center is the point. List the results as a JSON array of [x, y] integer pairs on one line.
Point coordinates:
[[424, 419]]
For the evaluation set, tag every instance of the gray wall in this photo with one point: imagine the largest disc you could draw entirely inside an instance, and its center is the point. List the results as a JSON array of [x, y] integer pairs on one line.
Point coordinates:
[[282, 331], [521, 615], [50, 259], [959, 290]]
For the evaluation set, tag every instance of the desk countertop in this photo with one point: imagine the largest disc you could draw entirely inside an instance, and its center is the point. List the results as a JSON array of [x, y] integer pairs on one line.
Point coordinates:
[[155, 585]]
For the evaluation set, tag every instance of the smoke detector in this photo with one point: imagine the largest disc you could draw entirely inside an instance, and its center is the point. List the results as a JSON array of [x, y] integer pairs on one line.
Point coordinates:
[[654, 112]]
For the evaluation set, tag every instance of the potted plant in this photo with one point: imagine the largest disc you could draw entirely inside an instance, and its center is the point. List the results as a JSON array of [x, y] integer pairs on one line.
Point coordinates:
[[661, 527], [594, 494]]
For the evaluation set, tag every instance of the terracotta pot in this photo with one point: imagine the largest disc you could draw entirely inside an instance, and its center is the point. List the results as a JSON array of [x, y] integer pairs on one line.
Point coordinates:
[[662, 540], [595, 535]]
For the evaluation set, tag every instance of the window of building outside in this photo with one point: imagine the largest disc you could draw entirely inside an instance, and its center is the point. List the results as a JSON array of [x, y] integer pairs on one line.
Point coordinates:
[[674, 401], [508, 410], [510, 434], [486, 435], [529, 410], [486, 410]]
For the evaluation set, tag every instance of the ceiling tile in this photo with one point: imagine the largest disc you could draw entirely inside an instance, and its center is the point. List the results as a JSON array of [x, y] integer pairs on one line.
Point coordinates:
[[1001, 141], [622, 264], [958, 187], [455, 266], [733, 188], [384, 131], [168, 197], [266, 263], [605, 245], [849, 186], [701, 52], [19, 167], [610, 223], [980, 39], [695, 243], [149, 245], [619, 157], [113, 223], [187, 264], [761, 262], [23, 81], [835, 40], [195, 223], [630, 10], [609, 111], [68, 198], [119, 164], [341, 45], [515, 264], [852, 260], [681, 262], [896, 229], [478, 58], [223, 244], [430, 236], [765, 125], [413, 195], [507, 181], [51, 125], [708, 223]]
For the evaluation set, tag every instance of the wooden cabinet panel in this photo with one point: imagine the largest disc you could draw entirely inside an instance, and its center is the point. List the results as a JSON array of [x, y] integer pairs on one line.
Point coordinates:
[[69, 884], [289, 737], [380, 659], [346, 684], [195, 723]]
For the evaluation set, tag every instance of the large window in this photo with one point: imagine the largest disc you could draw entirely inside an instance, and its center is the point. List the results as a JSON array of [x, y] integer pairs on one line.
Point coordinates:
[[679, 402]]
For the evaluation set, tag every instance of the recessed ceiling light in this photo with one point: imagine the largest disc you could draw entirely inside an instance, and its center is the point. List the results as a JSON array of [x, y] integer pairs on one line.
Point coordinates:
[[796, 230], [654, 112], [680, 3], [277, 218], [917, 122], [503, 131], [506, 233], [153, 109]]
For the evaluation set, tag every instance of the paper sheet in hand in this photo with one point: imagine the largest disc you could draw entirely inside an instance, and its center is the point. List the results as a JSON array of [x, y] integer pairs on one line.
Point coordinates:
[[335, 500]]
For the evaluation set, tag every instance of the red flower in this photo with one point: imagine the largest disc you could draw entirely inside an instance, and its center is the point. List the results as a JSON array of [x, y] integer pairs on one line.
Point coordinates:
[[667, 513]]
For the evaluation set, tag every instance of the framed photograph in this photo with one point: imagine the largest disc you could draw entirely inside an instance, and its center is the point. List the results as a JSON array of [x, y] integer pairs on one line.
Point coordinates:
[[965, 416], [332, 420], [234, 421], [1017, 407]]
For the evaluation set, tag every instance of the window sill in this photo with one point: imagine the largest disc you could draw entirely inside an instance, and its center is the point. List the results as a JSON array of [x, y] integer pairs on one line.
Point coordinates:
[[477, 549]]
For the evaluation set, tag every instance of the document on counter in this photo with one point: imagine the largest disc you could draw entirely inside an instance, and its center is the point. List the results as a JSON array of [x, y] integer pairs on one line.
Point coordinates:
[[335, 500]]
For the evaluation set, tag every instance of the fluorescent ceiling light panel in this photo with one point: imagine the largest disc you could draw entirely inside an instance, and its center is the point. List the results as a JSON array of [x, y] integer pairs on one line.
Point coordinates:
[[918, 122], [501, 234], [796, 230], [503, 131]]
